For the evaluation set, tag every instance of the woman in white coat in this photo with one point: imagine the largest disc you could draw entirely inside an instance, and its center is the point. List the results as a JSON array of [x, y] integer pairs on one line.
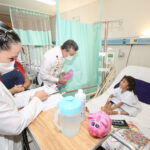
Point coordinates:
[[13, 121]]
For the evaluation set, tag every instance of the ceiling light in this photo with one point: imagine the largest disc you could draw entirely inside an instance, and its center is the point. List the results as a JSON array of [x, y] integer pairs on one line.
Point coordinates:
[[50, 2]]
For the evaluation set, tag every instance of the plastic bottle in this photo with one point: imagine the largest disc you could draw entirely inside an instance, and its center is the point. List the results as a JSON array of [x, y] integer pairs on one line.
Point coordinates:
[[80, 95]]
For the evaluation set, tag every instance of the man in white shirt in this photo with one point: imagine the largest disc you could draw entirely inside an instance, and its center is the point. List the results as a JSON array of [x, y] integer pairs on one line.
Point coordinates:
[[53, 62]]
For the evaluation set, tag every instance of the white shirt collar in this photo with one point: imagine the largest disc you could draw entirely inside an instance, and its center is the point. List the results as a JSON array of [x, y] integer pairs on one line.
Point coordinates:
[[59, 52]]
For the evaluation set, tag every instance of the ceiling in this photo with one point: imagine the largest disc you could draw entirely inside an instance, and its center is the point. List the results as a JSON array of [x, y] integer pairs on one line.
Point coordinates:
[[33, 5]]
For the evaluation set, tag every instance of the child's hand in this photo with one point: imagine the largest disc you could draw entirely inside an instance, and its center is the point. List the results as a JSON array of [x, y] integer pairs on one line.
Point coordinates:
[[103, 109], [106, 110], [111, 96], [109, 112], [62, 81], [63, 74]]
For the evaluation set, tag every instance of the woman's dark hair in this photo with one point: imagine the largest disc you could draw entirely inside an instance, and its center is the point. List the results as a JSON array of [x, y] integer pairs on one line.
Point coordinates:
[[131, 82], [70, 44], [7, 37]]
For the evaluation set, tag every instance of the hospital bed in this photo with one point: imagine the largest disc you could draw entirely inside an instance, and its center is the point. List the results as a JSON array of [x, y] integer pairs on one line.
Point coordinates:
[[142, 120], [31, 57]]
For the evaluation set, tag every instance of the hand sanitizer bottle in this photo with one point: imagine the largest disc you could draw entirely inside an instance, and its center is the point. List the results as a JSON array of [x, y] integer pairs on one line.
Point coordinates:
[[80, 95]]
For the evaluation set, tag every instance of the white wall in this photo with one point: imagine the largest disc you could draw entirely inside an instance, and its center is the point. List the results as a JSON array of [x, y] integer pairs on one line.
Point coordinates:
[[88, 13], [134, 14], [139, 56]]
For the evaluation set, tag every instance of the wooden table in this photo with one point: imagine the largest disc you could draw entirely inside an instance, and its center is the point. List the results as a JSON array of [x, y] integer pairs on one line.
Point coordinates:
[[47, 137]]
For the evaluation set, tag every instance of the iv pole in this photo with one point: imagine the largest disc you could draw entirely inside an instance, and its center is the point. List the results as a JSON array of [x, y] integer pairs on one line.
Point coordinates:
[[104, 65], [105, 49]]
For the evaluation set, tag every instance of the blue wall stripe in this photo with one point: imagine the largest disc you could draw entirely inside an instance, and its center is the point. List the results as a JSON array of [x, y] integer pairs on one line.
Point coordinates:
[[127, 41], [144, 41], [124, 41]]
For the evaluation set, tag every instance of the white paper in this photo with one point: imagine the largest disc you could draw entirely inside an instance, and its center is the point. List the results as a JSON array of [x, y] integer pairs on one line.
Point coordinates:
[[52, 101], [22, 99]]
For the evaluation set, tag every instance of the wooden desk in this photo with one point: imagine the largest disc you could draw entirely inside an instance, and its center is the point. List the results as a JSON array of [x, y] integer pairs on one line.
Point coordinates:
[[47, 136]]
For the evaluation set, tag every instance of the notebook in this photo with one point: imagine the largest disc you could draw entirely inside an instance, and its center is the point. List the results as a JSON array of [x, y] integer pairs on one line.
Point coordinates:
[[133, 136], [119, 124], [136, 139]]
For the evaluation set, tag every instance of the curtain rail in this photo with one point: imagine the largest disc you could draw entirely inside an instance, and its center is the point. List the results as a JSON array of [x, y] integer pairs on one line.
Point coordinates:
[[81, 88], [110, 21]]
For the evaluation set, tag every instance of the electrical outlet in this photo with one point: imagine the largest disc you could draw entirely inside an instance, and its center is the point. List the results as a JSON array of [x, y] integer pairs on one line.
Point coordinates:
[[133, 41]]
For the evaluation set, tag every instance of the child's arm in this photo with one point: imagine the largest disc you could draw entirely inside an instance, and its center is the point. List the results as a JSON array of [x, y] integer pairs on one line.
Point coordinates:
[[108, 104], [117, 106]]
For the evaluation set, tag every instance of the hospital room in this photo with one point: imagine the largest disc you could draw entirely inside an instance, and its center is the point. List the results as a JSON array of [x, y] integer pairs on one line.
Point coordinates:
[[74, 75]]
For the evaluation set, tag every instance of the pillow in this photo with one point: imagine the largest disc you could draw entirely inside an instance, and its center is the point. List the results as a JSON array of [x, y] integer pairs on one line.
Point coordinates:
[[142, 90]]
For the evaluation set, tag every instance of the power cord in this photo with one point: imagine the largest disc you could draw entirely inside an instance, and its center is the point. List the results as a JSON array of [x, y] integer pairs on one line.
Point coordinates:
[[129, 55]]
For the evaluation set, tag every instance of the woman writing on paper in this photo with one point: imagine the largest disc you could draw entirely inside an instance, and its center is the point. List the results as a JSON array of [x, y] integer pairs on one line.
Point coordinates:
[[12, 121]]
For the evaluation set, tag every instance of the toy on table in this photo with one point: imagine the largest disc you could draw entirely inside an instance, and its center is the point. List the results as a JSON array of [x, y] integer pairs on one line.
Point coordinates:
[[67, 76], [99, 124]]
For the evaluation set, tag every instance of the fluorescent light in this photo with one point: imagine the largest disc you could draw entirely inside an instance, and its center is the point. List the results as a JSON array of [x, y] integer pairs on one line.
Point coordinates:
[[50, 2]]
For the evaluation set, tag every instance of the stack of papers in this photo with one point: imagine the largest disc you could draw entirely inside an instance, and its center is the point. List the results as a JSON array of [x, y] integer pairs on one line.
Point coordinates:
[[22, 99]]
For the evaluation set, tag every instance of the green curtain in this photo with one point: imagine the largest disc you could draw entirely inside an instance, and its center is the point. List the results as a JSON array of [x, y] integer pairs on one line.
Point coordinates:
[[30, 37], [33, 28], [87, 61]]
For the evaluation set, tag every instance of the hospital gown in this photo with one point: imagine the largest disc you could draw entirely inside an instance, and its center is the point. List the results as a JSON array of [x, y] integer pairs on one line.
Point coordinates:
[[131, 103]]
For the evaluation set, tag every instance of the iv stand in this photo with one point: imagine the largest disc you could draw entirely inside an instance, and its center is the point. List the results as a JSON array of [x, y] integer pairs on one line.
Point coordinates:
[[104, 65]]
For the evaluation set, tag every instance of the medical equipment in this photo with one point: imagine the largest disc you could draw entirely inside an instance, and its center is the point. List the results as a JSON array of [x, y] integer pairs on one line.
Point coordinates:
[[106, 51], [31, 57], [110, 57]]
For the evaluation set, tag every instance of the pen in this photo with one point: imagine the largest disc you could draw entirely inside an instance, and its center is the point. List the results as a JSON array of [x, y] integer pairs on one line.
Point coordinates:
[[53, 93], [56, 93]]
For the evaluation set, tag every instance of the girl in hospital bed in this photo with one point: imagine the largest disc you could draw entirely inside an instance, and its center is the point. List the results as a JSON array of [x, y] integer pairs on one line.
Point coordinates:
[[123, 101]]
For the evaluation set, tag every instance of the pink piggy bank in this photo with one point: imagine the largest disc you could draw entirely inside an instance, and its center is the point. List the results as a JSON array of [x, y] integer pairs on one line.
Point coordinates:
[[67, 76], [99, 124]]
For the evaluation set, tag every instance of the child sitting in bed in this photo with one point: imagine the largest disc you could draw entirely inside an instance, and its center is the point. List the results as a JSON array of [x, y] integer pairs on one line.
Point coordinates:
[[123, 101]]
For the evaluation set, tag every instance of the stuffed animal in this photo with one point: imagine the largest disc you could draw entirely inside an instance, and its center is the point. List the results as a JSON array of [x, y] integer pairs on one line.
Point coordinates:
[[99, 124], [67, 76]]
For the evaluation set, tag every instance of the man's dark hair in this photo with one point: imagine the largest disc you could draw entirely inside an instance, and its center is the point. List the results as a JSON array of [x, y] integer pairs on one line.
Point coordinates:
[[70, 44], [7, 37], [131, 82]]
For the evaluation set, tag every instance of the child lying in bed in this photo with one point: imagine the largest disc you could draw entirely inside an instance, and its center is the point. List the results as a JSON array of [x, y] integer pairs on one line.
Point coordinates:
[[123, 101]]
